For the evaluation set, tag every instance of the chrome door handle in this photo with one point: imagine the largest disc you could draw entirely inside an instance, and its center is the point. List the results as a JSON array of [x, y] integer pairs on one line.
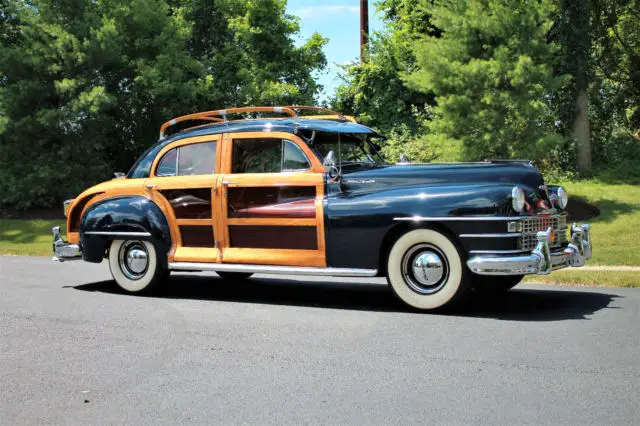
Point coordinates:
[[228, 182], [151, 186]]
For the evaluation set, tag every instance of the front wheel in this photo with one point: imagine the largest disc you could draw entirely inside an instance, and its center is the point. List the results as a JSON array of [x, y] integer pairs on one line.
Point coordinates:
[[134, 265], [425, 270]]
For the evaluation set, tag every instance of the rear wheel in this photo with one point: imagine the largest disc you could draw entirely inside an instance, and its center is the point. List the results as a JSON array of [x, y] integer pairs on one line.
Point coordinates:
[[134, 265], [234, 276], [495, 284], [426, 271]]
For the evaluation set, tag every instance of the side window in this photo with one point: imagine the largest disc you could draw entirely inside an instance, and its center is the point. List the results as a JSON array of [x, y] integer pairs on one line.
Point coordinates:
[[186, 160], [264, 155], [169, 163], [294, 158], [197, 159]]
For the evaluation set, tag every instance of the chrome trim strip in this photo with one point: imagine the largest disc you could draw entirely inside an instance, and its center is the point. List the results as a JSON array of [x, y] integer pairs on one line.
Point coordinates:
[[506, 235], [497, 251], [119, 234], [476, 218], [459, 218], [272, 269]]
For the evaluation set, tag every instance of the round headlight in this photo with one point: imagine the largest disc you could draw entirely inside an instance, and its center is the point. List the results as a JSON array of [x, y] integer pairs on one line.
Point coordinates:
[[563, 198], [517, 199]]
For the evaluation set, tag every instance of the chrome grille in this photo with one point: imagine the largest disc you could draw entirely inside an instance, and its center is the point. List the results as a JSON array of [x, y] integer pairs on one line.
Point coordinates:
[[531, 225]]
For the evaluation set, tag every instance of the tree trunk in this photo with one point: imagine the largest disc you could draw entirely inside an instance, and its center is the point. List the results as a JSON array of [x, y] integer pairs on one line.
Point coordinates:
[[579, 43], [581, 131]]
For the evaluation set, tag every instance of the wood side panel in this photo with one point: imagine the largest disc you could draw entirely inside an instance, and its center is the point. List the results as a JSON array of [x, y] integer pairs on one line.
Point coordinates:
[[272, 201], [274, 257], [189, 203], [274, 237], [196, 254], [195, 222], [197, 236]]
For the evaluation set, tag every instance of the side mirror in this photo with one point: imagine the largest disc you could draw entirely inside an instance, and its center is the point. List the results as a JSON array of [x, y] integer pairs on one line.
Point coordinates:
[[404, 159], [333, 173], [119, 175]]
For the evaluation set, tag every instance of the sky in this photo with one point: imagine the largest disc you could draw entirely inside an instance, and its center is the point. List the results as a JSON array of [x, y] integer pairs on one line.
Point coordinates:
[[339, 21]]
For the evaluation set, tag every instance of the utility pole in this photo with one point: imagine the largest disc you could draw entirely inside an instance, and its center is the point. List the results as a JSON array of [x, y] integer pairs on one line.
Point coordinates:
[[364, 28]]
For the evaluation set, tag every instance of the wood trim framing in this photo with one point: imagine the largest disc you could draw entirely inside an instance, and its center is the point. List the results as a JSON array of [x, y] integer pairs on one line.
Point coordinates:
[[312, 177]]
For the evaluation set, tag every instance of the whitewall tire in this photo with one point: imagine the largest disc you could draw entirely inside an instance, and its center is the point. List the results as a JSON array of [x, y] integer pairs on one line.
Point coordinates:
[[426, 271], [134, 265]]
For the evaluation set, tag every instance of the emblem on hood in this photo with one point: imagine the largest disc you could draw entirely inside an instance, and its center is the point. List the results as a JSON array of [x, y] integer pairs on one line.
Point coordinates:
[[356, 181]]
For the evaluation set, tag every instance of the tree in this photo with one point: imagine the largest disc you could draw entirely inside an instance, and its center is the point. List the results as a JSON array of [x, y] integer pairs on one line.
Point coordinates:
[[575, 36], [491, 76], [374, 90], [85, 86]]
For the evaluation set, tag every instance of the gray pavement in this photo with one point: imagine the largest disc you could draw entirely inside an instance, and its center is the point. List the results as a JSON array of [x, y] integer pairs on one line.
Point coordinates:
[[276, 350]]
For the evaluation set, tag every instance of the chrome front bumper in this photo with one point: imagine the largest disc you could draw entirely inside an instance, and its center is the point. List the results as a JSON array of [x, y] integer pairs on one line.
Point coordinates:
[[62, 250], [541, 260]]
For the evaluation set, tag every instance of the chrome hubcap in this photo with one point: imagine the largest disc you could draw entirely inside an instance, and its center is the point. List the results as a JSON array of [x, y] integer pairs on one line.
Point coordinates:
[[134, 259], [428, 268], [425, 269]]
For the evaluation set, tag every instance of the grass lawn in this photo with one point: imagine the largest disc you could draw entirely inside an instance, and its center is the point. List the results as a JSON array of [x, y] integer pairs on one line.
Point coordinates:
[[615, 235], [616, 232], [28, 237], [590, 278]]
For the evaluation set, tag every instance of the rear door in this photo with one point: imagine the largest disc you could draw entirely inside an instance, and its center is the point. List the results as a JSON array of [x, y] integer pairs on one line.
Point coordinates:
[[183, 180], [272, 192]]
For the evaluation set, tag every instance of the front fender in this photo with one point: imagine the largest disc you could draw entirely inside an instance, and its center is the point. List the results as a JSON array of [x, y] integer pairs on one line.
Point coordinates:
[[113, 218], [358, 223]]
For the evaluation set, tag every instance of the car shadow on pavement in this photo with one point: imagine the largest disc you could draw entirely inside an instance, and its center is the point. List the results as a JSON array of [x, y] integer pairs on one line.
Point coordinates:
[[519, 304]]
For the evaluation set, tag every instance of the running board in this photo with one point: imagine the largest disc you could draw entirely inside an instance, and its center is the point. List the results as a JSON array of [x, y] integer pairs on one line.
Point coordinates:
[[271, 269]]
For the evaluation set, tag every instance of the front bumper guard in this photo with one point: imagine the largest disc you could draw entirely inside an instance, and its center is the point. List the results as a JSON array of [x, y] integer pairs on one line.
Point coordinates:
[[541, 260], [62, 250]]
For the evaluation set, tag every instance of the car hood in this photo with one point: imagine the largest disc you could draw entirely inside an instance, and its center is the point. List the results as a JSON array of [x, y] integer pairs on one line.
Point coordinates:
[[437, 174]]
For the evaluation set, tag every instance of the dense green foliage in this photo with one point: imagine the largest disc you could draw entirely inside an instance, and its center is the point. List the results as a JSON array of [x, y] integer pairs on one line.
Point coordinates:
[[471, 79], [85, 86]]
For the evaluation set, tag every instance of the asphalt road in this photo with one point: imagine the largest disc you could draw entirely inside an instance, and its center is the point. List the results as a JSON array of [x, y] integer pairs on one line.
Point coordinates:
[[74, 350]]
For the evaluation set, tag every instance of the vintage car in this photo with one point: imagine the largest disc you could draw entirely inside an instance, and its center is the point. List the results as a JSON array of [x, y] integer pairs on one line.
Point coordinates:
[[279, 192]]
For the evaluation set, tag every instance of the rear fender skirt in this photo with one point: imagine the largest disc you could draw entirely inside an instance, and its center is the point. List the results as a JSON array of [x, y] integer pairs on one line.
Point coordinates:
[[123, 217]]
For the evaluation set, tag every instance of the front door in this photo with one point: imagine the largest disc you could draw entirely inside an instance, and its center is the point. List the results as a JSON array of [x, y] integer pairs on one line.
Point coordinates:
[[272, 193], [183, 179]]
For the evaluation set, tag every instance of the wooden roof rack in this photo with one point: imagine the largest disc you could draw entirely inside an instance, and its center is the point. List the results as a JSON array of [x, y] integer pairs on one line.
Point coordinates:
[[220, 115]]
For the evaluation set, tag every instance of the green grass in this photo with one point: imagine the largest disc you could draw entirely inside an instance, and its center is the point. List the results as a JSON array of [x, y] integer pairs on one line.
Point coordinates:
[[616, 232], [590, 278], [27, 237]]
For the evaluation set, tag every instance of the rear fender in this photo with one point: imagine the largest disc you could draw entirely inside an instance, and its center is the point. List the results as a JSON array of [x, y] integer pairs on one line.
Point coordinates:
[[124, 217]]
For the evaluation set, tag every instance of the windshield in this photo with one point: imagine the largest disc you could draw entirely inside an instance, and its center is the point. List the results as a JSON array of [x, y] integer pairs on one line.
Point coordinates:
[[352, 149]]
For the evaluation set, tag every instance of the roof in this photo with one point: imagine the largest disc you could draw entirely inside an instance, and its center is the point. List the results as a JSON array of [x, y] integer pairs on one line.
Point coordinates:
[[272, 125], [287, 125]]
